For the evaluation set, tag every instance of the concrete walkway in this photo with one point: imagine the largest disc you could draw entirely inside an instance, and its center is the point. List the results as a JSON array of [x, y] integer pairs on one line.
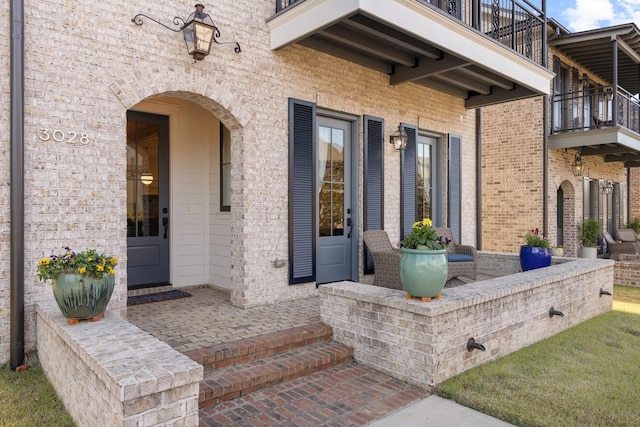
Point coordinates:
[[435, 411]]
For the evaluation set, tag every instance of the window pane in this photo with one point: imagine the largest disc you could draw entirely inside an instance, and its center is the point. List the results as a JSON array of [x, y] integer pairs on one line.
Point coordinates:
[[226, 189], [331, 177], [225, 169], [424, 180], [324, 213], [324, 153], [337, 225], [142, 180], [337, 155]]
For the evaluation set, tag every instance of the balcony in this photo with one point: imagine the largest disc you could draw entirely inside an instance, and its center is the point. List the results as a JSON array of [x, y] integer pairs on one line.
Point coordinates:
[[600, 119], [483, 51]]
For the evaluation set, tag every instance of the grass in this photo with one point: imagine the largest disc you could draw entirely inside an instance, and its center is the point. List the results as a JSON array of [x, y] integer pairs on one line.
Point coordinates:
[[27, 399], [588, 375]]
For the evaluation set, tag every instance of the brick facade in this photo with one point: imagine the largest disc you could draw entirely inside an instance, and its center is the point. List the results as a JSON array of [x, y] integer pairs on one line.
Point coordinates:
[[512, 177], [88, 64]]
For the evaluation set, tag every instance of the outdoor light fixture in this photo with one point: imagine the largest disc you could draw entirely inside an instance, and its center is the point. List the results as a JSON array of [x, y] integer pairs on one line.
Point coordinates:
[[146, 178], [607, 187], [584, 81], [198, 30], [577, 165], [399, 139]]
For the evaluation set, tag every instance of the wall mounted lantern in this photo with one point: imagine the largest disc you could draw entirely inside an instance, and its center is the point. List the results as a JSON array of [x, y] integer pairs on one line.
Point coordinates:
[[584, 80], [399, 139], [577, 165], [607, 187], [198, 30]]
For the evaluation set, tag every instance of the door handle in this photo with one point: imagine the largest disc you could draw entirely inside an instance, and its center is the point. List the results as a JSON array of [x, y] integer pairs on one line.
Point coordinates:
[[349, 225], [165, 223]]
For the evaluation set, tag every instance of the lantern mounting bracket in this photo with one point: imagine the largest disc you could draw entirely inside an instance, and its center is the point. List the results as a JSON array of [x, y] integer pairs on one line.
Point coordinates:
[[176, 21], [199, 18]]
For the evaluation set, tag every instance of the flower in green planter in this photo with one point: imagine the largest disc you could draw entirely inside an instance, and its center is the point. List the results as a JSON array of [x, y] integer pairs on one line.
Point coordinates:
[[422, 233], [535, 239], [88, 263]]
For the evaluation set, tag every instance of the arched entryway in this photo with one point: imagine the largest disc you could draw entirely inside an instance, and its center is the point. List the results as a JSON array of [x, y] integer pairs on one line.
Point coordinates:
[[204, 135], [566, 225]]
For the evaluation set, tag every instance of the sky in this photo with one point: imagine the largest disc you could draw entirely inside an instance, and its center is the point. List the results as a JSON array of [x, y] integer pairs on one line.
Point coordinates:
[[581, 15]]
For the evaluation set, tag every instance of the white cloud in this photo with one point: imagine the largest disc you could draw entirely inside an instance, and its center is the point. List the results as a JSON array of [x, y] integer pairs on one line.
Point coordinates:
[[589, 14], [628, 11]]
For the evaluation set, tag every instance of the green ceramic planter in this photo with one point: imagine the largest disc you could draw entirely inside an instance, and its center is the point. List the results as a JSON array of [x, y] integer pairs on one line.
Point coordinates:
[[82, 297], [423, 272]]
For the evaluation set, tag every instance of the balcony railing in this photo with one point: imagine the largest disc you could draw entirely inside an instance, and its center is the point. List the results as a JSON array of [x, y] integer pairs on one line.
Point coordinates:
[[595, 108], [517, 25]]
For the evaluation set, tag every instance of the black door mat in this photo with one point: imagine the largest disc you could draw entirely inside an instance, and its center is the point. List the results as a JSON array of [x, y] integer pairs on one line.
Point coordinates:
[[158, 296]]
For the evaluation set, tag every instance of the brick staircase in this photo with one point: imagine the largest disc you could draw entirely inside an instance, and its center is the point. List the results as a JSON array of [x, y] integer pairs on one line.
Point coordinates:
[[235, 369]]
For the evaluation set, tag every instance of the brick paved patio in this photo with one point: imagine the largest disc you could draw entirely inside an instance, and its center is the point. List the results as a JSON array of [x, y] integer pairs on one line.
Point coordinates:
[[207, 328]]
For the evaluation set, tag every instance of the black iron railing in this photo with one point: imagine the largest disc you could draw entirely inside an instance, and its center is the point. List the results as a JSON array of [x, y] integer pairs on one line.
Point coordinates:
[[516, 24], [594, 108]]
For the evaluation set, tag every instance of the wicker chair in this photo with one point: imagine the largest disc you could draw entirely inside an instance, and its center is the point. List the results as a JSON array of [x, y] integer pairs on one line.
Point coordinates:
[[462, 258], [617, 247], [628, 235], [386, 259]]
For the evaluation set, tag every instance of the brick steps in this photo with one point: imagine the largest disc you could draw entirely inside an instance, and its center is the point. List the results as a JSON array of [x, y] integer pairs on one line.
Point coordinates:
[[239, 368]]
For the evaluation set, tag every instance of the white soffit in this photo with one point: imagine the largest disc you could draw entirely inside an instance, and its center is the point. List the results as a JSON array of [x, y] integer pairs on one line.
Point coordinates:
[[412, 17]]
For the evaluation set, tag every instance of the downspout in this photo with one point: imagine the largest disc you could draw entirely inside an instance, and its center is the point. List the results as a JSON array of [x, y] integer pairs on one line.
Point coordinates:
[[17, 184], [628, 195], [479, 179], [545, 130]]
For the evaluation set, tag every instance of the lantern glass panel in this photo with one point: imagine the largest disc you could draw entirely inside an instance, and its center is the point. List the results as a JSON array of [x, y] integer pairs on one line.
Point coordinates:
[[189, 38], [204, 34]]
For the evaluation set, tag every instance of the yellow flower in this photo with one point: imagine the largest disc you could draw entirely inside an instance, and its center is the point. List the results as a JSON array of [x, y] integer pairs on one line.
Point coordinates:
[[90, 259], [100, 268], [82, 270], [45, 261], [110, 270], [427, 222], [113, 261]]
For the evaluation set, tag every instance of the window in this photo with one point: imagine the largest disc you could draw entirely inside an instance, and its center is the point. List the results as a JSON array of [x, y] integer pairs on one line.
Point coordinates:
[[424, 178], [332, 180], [560, 96], [225, 169]]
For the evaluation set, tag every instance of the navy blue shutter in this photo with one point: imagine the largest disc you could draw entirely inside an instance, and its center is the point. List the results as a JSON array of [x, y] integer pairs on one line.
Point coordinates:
[[408, 181], [302, 190], [373, 181], [454, 206]]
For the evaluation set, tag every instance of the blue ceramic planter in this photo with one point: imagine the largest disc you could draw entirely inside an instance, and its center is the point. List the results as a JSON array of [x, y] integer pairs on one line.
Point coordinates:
[[533, 257], [423, 272]]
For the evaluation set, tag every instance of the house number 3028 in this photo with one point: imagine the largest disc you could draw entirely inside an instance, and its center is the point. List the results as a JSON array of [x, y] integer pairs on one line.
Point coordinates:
[[58, 135]]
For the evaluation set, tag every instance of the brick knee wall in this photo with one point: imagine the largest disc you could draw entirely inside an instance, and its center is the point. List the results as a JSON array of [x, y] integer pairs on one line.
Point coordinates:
[[111, 373], [627, 271], [425, 343]]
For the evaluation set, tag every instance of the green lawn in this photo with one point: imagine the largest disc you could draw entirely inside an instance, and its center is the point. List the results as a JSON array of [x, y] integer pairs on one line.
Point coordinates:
[[588, 375], [27, 399]]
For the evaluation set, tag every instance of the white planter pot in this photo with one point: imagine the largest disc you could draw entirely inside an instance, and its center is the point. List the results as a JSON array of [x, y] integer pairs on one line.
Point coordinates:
[[589, 252]]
